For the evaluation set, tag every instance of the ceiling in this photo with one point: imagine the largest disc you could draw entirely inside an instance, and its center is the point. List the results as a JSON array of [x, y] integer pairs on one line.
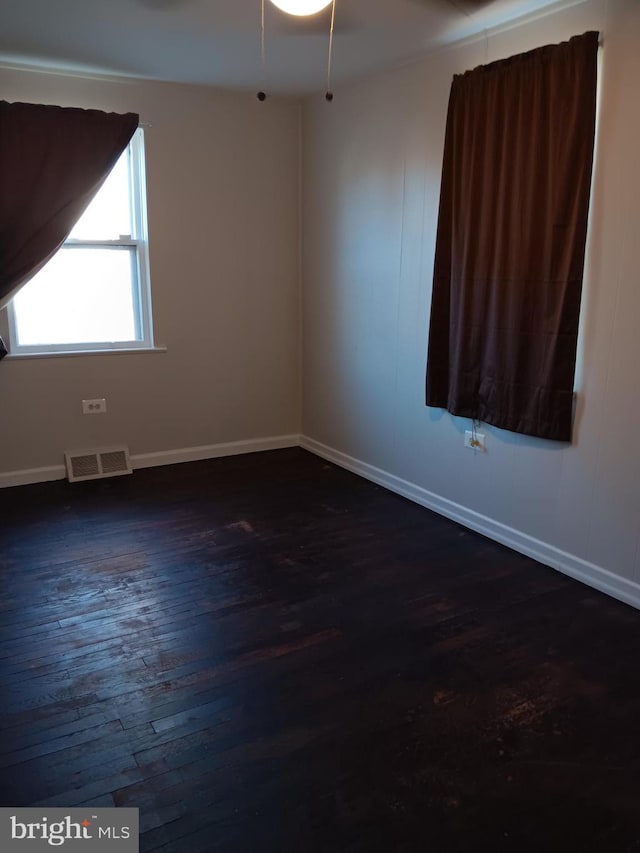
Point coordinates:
[[217, 42]]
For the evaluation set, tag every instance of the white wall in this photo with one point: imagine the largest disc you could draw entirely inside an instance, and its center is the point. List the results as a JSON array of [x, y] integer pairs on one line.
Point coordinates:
[[222, 184], [371, 178]]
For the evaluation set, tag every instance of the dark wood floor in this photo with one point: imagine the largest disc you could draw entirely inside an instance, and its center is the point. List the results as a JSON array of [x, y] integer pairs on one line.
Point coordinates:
[[267, 653]]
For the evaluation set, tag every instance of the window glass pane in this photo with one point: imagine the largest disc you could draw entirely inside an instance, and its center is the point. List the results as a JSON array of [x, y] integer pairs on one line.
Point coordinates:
[[109, 213], [83, 295]]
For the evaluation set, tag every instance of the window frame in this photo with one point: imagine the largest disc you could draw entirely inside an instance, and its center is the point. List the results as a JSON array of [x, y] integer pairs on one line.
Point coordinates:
[[138, 244]]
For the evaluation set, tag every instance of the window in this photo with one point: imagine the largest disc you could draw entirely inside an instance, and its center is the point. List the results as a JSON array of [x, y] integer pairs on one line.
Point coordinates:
[[94, 293]]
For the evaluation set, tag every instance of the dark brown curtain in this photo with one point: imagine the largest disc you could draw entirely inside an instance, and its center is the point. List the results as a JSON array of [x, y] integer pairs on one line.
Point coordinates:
[[52, 162], [511, 237]]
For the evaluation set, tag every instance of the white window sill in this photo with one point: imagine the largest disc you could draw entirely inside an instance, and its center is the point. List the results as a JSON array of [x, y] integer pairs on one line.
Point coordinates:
[[18, 356]]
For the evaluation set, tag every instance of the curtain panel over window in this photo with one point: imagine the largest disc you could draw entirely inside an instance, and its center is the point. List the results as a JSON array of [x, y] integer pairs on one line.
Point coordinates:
[[52, 162], [511, 239]]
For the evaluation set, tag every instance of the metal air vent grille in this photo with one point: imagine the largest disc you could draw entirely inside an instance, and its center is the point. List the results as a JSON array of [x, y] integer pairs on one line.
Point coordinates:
[[95, 464]]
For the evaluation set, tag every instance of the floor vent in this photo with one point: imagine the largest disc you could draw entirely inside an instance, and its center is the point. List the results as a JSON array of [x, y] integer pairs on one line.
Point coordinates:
[[95, 464]]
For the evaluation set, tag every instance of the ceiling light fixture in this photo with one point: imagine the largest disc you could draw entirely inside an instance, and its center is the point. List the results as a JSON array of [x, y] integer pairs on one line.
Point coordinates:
[[301, 7]]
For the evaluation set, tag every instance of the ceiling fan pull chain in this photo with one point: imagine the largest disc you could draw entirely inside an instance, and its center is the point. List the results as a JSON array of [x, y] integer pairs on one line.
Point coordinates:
[[261, 96], [329, 93]]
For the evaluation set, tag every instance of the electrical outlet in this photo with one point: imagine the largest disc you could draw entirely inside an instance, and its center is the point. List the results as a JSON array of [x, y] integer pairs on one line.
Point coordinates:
[[94, 407], [474, 442]]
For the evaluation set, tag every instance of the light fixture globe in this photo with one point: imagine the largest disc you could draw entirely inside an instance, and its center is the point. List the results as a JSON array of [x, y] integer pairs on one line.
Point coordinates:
[[301, 7]]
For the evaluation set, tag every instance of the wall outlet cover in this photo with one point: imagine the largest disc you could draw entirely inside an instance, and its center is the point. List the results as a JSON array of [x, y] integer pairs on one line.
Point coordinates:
[[474, 442]]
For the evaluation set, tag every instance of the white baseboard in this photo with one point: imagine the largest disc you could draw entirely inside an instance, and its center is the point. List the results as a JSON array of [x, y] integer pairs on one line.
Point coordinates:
[[569, 564], [212, 451], [29, 476], [32, 475]]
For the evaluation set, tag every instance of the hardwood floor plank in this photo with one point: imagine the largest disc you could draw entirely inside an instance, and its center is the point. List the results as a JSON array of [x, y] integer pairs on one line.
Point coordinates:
[[267, 653]]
